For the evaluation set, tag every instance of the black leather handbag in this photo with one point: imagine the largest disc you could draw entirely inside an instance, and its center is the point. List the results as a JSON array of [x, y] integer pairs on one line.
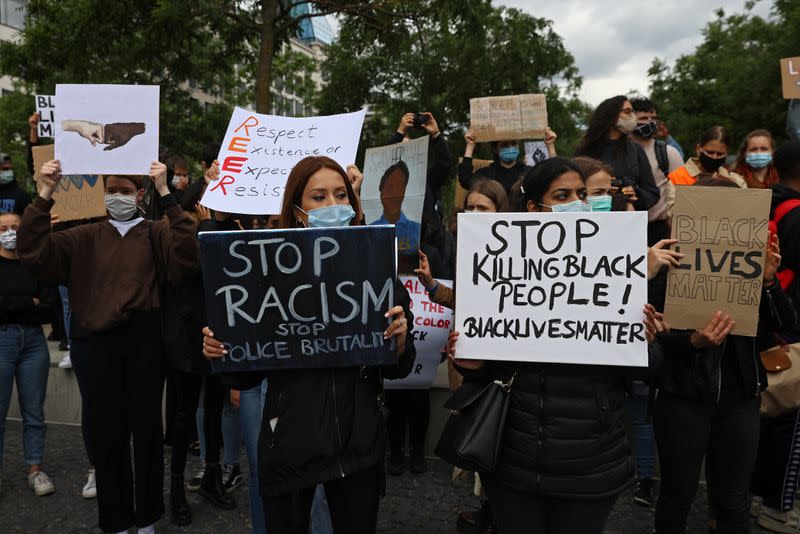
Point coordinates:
[[473, 432]]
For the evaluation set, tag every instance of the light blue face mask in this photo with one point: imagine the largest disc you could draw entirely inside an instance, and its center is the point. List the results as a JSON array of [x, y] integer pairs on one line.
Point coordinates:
[[758, 160], [600, 203], [6, 176], [509, 154], [330, 216], [576, 206]]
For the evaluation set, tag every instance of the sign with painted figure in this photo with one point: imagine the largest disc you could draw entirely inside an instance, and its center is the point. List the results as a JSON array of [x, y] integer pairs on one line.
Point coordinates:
[[77, 196], [46, 108], [790, 77], [107, 129], [552, 287], [508, 118], [432, 325], [535, 152], [300, 298], [259, 151], [723, 234], [393, 192]]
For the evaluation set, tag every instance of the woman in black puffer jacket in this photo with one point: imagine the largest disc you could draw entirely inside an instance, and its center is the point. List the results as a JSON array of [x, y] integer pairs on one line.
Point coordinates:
[[564, 455]]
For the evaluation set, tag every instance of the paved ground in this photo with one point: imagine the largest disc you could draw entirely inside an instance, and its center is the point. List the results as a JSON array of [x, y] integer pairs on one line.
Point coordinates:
[[424, 504]]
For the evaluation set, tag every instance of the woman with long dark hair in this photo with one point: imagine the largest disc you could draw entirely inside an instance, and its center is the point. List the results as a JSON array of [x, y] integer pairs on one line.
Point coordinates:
[[607, 139], [324, 426], [564, 457]]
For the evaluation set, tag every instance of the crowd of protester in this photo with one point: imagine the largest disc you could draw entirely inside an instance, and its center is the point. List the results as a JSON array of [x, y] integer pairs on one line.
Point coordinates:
[[126, 294]]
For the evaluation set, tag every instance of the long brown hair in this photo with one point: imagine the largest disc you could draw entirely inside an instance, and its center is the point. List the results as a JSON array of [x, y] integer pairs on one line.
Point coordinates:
[[296, 185], [493, 191], [740, 165]]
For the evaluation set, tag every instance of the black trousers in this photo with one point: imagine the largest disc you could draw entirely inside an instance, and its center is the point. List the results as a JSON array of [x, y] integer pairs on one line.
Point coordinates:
[[214, 401], [186, 396], [727, 437], [407, 407], [352, 501], [79, 354], [516, 512], [776, 474], [125, 384]]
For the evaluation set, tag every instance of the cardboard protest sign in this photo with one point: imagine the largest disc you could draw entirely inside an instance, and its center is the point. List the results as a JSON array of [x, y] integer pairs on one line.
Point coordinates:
[[507, 118], [106, 129], [790, 77], [460, 195], [77, 196], [46, 107], [723, 233], [393, 192], [300, 298], [432, 324], [259, 151], [535, 152], [552, 287]]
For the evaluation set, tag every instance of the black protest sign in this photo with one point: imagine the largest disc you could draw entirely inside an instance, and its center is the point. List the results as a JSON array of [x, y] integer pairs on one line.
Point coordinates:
[[723, 233], [300, 298]]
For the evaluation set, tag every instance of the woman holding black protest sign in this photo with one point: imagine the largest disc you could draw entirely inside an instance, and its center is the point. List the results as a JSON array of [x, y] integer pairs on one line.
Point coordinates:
[[564, 457], [324, 425]]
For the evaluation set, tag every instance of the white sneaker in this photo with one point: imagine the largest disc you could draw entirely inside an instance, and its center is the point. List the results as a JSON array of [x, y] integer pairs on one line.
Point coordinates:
[[90, 489], [776, 521], [66, 362], [40, 483]]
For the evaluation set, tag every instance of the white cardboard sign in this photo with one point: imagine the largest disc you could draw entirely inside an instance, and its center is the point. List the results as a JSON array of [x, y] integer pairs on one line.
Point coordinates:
[[106, 129], [432, 325], [259, 151], [552, 287], [46, 108]]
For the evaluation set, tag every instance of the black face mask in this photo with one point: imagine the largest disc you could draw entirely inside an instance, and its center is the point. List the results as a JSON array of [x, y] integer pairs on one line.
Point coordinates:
[[646, 129], [711, 164]]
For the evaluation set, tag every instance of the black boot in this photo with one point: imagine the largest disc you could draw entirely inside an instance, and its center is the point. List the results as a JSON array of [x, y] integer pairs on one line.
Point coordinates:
[[212, 489], [181, 514]]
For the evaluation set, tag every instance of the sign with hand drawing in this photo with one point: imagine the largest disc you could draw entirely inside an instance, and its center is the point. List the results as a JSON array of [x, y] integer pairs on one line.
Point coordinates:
[[106, 129]]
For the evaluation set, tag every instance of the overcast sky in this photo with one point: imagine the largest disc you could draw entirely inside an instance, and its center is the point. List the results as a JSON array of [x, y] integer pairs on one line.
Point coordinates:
[[614, 42]]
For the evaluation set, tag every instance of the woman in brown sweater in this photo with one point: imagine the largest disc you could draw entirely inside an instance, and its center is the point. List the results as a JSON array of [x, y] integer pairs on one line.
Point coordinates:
[[112, 269]]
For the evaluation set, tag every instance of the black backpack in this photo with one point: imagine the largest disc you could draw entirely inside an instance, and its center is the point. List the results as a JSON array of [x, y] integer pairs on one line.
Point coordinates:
[[661, 156]]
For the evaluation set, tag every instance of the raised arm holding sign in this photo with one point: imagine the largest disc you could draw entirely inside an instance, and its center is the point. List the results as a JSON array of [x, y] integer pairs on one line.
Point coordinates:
[[259, 151]]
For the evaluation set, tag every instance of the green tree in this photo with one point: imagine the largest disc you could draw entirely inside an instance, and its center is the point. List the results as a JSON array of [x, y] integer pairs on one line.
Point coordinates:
[[434, 55], [732, 78], [203, 60]]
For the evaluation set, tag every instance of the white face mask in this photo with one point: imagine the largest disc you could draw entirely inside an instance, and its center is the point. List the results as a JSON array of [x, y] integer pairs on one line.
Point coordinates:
[[8, 239], [627, 124], [120, 207]]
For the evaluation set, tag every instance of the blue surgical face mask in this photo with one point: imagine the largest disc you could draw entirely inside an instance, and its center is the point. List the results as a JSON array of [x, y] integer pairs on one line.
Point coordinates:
[[600, 202], [6, 176], [758, 160], [575, 206], [330, 216], [509, 154]]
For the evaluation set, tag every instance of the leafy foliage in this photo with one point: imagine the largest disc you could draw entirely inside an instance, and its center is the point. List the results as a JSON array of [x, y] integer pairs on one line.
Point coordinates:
[[732, 78]]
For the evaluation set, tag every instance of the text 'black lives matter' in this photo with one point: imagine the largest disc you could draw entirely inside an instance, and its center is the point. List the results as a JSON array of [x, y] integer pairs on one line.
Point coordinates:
[[300, 298]]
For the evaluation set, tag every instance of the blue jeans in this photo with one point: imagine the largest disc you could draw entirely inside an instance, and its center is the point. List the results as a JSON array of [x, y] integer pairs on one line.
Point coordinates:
[[24, 356], [251, 406], [231, 436], [64, 292], [642, 436], [320, 514]]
